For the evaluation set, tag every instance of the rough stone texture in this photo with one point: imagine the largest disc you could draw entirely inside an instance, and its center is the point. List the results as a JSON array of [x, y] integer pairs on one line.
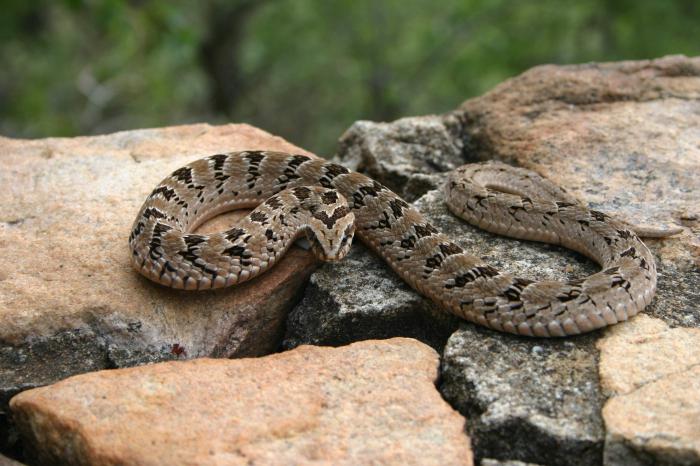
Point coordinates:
[[69, 299], [407, 155], [361, 298], [372, 402], [536, 401], [624, 138], [652, 374]]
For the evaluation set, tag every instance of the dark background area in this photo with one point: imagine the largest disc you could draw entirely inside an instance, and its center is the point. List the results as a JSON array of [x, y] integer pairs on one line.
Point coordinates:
[[303, 69]]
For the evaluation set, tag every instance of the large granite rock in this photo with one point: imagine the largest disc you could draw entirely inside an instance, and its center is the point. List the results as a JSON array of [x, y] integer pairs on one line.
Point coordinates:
[[69, 299], [372, 402], [623, 138], [537, 401]]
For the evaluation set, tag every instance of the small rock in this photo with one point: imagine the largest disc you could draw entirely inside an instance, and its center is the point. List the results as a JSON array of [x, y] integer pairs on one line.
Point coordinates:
[[406, 155], [361, 298], [540, 409], [372, 402], [652, 374]]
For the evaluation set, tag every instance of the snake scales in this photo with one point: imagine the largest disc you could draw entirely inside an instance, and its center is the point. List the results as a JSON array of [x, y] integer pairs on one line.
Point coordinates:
[[295, 195]]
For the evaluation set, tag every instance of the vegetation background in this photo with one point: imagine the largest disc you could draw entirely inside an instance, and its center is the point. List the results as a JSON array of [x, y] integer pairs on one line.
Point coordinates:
[[303, 69]]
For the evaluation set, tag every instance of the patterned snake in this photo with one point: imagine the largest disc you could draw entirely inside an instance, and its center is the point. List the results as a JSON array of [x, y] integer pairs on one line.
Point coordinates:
[[294, 195]]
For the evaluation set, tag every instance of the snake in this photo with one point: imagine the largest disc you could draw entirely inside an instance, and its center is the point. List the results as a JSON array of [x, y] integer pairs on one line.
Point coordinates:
[[295, 196]]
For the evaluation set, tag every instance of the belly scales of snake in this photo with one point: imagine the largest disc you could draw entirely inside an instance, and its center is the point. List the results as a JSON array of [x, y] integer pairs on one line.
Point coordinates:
[[296, 195]]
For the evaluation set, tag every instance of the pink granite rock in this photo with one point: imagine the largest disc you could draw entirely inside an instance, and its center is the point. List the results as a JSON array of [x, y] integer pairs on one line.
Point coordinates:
[[70, 301], [652, 374], [372, 402]]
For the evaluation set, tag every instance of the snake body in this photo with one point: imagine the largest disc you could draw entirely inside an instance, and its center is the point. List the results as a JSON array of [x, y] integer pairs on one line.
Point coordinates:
[[295, 195]]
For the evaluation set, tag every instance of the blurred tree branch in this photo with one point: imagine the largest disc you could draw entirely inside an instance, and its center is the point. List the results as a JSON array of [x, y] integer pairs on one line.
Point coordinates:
[[220, 52]]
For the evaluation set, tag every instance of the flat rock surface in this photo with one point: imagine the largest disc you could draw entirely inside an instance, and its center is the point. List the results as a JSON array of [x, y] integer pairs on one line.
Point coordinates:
[[652, 374], [372, 402], [70, 301]]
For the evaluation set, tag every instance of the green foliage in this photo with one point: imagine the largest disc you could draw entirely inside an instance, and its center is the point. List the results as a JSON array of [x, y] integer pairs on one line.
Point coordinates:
[[304, 69]]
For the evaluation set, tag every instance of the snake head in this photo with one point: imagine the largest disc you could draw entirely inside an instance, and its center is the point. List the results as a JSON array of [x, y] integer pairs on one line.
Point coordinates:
[[331, 226], [334, 247]]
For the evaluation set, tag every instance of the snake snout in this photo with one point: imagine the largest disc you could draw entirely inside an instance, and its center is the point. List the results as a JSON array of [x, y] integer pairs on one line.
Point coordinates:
[[332, 247]]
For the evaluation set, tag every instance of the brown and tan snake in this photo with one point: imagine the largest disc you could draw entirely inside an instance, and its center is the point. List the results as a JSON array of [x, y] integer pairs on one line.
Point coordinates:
[[294, 195]]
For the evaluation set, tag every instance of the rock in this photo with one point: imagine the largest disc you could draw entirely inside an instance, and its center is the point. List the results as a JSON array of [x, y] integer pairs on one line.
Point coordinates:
[[620, 136], [531, 400], [534, 400], [405, 155], [652, 374], [341, 305], [372, 402], [623, 137], [69, 299]]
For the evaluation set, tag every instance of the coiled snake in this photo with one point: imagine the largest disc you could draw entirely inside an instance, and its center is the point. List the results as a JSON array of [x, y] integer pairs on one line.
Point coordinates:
[[295, 195]]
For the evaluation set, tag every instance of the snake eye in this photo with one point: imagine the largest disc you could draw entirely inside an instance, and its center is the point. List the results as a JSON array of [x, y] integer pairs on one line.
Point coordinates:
[[347, 235]]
